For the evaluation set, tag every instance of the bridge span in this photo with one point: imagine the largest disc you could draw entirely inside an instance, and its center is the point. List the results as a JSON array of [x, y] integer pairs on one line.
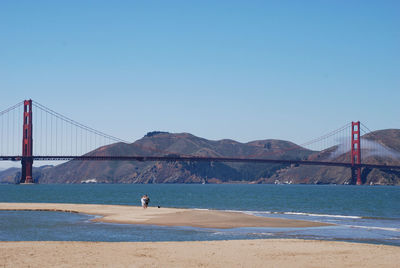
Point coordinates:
[[60, 138], [197, 159]]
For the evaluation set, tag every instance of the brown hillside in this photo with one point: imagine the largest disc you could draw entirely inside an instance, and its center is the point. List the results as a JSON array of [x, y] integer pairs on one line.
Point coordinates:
[[160, 143]]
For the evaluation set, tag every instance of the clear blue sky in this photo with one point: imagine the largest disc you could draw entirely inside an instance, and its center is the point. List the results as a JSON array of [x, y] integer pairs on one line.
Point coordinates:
[[244, 70]]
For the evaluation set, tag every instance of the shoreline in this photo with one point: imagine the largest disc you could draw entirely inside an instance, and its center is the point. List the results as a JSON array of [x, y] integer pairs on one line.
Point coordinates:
[[212, 253], [125, 214], [232, 253]]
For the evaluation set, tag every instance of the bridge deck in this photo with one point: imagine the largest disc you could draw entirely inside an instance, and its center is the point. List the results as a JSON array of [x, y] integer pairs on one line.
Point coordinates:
[[195, 159]]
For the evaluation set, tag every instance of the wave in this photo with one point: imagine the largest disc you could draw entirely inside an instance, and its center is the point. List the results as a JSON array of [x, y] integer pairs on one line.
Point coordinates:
[[298, 214], [322, 215], [374, 228]]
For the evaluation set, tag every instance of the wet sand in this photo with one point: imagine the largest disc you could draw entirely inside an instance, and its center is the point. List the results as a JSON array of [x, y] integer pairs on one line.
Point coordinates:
[[234, 253], [164, 216]]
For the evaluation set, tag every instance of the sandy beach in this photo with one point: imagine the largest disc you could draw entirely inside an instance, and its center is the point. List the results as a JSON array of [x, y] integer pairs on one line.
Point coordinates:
[[164, 216], [234, 253]]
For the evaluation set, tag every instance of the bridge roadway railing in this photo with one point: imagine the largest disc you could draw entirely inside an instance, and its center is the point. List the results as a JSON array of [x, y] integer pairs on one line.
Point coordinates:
[[194, 159]]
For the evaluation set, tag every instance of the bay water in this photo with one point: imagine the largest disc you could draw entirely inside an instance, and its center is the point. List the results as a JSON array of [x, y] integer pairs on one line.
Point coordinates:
[[368, 214]]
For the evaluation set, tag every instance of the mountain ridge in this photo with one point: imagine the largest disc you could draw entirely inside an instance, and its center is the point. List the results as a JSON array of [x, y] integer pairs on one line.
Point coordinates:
[[158, 143]]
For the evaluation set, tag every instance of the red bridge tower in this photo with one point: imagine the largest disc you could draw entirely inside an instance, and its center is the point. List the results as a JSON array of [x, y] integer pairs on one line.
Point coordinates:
[[27, 144], [355, 152]]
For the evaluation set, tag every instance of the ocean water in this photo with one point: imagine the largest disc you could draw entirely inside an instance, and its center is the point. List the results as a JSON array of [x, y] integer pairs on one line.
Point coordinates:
[[368, 214]]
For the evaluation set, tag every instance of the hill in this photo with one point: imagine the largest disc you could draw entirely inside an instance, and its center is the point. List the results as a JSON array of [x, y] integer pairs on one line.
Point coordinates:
[[384, 142], [161, 143]]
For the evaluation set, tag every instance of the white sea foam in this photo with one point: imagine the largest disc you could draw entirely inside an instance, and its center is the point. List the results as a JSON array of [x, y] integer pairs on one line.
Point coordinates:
[[261, 213], [218, 233], [299, 214], [262, 234], [322, 215], [374, 228], [250, 212]]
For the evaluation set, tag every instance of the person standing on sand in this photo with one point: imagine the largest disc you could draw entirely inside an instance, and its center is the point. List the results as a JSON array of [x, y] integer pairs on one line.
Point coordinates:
[[145, 201]]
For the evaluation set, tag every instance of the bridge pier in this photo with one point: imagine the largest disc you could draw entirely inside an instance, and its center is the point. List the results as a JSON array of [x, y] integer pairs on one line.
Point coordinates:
[[27, 144], [356, 175]]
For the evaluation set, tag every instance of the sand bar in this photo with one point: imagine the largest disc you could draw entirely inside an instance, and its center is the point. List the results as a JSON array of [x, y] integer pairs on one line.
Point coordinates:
[[164, 216], [234, 253]]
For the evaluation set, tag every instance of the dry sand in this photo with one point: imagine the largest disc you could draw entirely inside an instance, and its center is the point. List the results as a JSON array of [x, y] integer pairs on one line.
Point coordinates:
[[164, 216], [235, 253]]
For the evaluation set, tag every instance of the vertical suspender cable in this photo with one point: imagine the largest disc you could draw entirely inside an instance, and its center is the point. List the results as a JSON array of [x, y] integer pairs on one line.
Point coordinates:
[[86, 143], [41, 133], [76, 140], [81, 145], [70, 125], [51, 134], [8, 135], [56, 136], [47, 138], [13, 139], [61, 137], [80, 141], [3, 146]]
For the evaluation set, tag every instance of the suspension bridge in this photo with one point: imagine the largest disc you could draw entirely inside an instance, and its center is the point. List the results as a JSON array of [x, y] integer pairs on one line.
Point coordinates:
[[59, 138]]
